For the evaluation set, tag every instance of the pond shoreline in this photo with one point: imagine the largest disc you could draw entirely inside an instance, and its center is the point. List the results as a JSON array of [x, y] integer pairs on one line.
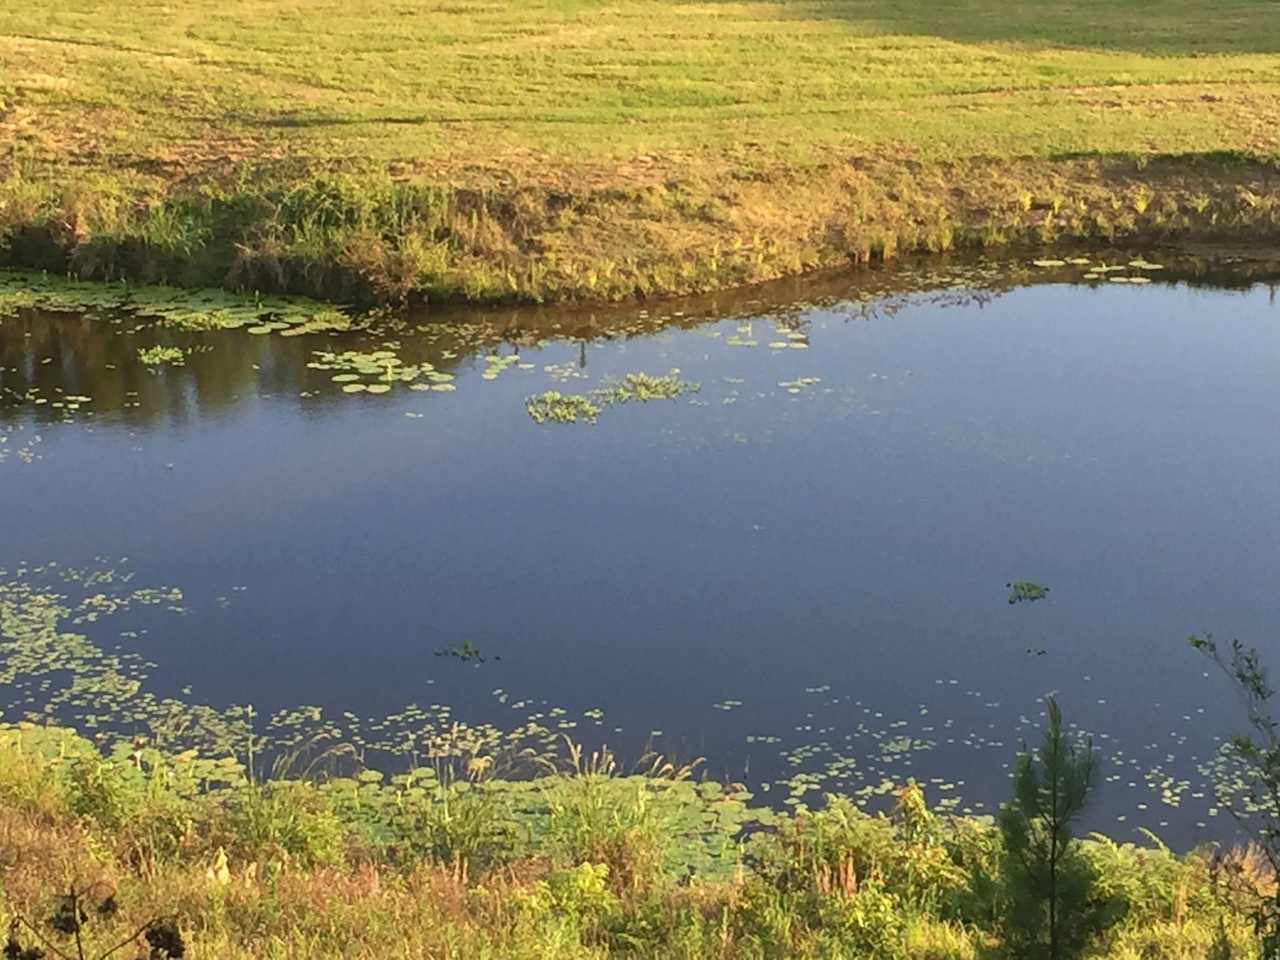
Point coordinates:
[[583, 861], [365, 237]]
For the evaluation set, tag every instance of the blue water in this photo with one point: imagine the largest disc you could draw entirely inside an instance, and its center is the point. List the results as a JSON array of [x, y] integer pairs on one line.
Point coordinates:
[[830, 557]]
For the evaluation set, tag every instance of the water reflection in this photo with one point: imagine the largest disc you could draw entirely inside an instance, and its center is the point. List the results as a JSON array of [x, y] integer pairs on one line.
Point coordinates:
[[47, 357]]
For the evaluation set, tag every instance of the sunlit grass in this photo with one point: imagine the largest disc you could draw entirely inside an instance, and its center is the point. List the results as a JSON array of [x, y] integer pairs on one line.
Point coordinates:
[[455, 83], [573, 150]]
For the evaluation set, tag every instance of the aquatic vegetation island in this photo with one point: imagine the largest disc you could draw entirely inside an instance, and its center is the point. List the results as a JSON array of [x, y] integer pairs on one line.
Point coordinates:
[[650, 479]]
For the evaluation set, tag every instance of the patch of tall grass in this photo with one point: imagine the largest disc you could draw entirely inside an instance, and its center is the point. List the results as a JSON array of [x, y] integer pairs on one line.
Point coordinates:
[[360, 235], [585, 860]]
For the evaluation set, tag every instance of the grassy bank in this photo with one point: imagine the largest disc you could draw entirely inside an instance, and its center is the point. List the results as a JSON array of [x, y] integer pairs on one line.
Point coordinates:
[[579, 151], [580, 862]]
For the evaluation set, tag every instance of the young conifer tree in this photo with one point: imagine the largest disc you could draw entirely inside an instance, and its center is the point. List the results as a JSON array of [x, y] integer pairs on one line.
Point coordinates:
[[1052, 912]]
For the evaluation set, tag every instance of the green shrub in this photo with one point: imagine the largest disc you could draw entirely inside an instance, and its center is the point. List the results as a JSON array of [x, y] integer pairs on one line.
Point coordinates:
[[281, 823]]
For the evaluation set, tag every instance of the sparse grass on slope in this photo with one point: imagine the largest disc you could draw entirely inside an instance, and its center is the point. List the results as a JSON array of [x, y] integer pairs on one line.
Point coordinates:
[[581, 149]]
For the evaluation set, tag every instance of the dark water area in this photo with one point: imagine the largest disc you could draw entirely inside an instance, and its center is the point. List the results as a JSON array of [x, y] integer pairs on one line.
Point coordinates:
[[799, 568]]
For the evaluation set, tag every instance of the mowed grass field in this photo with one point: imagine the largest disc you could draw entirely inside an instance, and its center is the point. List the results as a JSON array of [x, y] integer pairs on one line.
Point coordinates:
[[451, 82], [577, 96]]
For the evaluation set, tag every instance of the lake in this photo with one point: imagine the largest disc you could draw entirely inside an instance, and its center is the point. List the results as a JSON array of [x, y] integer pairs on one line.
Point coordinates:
[[798, 568]]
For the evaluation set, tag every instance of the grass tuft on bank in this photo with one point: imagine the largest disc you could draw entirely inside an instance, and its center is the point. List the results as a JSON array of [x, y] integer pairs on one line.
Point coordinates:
[[580, 151]]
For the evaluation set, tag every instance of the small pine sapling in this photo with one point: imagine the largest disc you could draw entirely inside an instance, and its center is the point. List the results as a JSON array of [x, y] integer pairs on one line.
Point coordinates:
[[1049, 885]]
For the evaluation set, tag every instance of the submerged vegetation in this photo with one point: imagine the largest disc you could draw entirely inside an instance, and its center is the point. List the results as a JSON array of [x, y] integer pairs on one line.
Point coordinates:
[[636, 159]]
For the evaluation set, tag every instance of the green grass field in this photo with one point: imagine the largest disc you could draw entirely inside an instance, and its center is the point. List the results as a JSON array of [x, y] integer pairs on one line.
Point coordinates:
[[583, 98], [460, 83]]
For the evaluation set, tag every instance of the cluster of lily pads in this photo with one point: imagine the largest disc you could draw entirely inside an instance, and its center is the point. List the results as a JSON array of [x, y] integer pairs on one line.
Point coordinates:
[[25, 450], [206, 309], [54, 669], [794, 340], [66, 404], [799, 384], [379, 371], [494, 365], [1113, 273]]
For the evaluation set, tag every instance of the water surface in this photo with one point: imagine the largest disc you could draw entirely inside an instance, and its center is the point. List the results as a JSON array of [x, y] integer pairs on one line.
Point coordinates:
[[807, 554]]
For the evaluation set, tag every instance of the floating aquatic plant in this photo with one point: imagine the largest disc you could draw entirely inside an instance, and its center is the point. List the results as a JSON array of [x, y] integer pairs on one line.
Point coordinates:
[[1025, 591], [556, 407], [377, 371], [194, 310], [466, 651], [161, 356], [643, 387], [799, 384]]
